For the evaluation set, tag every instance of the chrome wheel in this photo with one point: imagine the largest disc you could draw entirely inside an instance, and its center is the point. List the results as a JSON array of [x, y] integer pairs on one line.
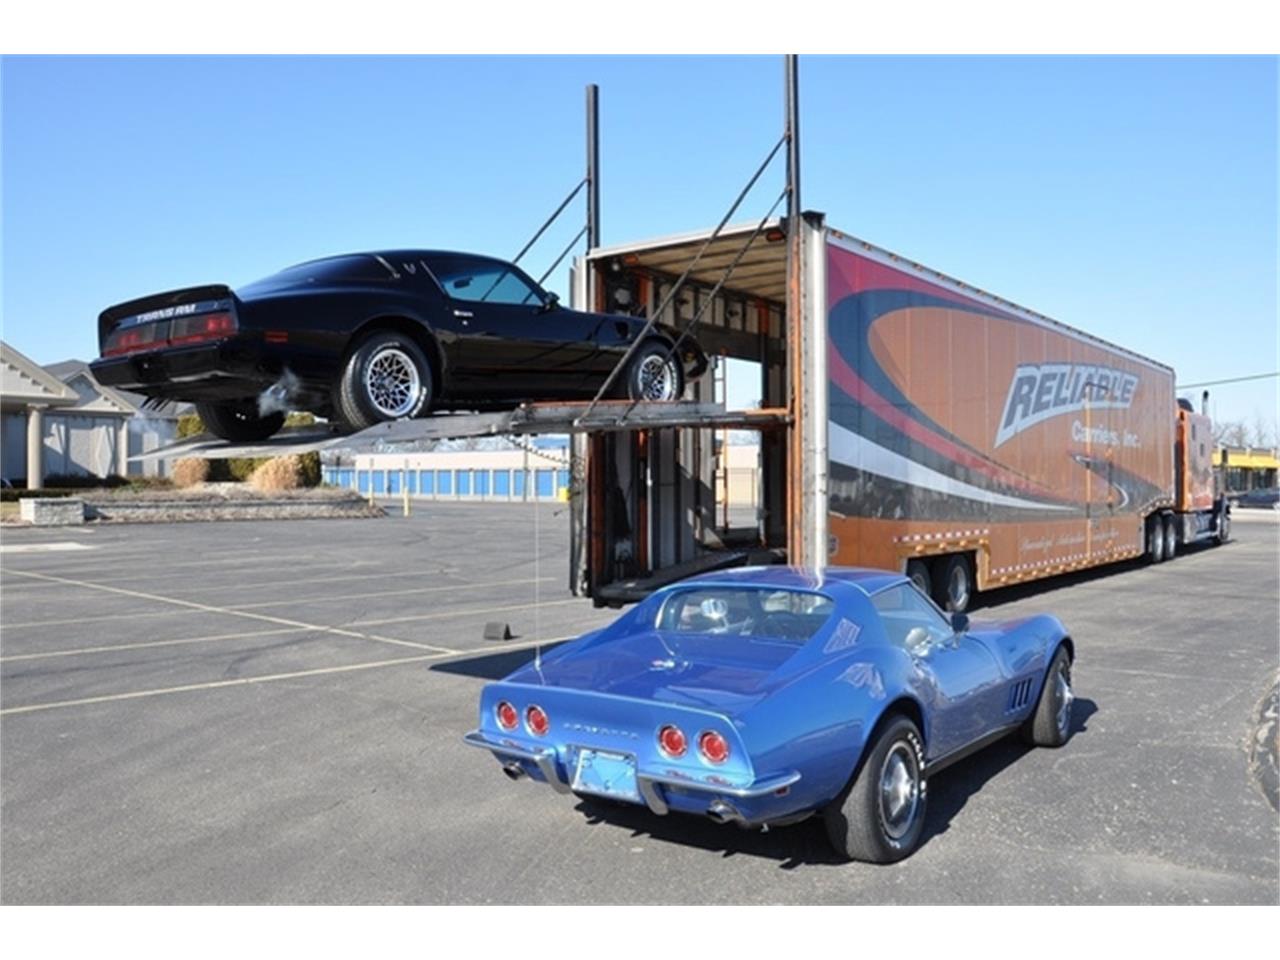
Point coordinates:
[[392, 382], [958, 588], [656, 378], [1063, 697], [899, 790]]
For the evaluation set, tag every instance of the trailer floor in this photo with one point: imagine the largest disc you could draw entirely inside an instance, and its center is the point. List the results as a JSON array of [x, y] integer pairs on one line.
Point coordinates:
[[272, 712]]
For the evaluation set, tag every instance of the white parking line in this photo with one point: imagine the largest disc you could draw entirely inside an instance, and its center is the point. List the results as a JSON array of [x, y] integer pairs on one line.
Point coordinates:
[[235, 613], [150, 643], [44, 547], [460, 613], [267, 678]]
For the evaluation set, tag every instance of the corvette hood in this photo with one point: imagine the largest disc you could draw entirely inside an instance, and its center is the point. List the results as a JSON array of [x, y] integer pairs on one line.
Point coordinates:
[[696, 670]]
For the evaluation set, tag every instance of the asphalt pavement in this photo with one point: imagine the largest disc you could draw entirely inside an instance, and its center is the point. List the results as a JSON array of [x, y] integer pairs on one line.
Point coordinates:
[[272, 712]]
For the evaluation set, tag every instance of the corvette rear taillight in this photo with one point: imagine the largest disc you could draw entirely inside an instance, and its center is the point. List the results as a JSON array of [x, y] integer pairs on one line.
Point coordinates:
[[535, 718], [672, 742], [506, 715], [713, 747]]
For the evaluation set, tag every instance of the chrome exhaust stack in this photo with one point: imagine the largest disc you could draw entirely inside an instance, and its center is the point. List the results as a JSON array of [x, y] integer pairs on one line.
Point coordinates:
[[514, 770]]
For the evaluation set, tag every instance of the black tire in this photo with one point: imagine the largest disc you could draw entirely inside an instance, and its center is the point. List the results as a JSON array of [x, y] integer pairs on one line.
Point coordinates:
[[238, 420], [654, 374], [1155, 539], [878, 817], [386, 377], [1224, 526], [1050, 724], [1170, 536], [918, 573], [955, 586]]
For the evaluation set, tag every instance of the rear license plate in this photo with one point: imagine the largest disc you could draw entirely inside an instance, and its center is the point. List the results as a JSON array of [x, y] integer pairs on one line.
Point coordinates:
[[607, 775]]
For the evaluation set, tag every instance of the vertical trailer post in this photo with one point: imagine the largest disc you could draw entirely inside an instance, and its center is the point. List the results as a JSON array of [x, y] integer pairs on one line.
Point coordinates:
[[807, 464], [593, 168]]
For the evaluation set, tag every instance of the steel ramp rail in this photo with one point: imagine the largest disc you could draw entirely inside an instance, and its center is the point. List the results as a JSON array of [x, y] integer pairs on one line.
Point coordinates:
[[527, 419]]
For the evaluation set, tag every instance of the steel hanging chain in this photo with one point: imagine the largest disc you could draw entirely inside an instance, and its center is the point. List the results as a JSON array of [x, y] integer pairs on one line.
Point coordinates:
[[653, 319]]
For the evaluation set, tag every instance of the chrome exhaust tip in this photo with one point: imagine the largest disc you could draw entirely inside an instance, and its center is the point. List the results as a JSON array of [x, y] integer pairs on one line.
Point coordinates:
[[513, 769], [722, 812]]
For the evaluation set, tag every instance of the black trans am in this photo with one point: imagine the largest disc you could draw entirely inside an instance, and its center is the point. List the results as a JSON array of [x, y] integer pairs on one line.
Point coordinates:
[[369, 337]]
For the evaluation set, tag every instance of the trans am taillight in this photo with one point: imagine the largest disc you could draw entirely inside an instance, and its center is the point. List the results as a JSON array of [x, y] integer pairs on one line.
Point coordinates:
[[211, 326], [168, 333], [713, 747], [506, 715], [535, 718], [672, 742]]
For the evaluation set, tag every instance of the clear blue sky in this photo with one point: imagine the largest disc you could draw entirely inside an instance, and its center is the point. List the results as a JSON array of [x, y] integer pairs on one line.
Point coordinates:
[[1135, 198]]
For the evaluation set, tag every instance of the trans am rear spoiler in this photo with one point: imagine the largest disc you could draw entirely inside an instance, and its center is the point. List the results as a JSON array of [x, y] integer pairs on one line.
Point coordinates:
[[163, 306]]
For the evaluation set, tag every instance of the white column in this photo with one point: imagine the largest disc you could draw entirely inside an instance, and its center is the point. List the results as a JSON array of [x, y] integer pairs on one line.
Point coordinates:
[[35, 447], [122, 448]]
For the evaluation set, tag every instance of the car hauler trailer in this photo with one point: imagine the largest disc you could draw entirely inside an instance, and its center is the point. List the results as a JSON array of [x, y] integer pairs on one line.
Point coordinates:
[[929, 427]]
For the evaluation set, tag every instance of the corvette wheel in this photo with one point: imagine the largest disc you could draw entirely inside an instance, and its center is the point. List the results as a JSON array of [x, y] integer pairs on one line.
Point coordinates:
[[879, 816], [653, 375], [238, 420], [1050, 725], [385, 378]]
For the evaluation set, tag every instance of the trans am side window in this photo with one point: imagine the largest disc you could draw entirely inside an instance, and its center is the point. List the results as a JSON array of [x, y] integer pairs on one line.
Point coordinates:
[[484, 281], [910, 619]]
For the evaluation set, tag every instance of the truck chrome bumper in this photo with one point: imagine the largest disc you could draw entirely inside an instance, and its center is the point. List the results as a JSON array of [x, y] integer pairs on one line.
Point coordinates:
[[545, 759]]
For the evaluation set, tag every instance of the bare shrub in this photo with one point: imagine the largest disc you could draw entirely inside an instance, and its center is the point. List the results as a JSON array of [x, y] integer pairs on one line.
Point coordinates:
[[278, 473], [190, 472]]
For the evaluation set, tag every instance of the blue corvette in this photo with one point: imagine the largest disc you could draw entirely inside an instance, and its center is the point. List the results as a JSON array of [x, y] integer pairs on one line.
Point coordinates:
[[761, 696]]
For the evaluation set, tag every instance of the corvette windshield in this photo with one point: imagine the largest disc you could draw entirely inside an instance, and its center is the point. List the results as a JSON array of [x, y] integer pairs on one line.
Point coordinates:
[[788, 615]]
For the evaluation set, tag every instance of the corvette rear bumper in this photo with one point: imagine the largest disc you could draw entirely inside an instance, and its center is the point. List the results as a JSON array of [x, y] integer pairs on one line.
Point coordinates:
[[653, 786]]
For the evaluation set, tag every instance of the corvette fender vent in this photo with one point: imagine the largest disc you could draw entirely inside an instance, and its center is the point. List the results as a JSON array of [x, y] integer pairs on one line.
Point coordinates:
[[1020, 694]]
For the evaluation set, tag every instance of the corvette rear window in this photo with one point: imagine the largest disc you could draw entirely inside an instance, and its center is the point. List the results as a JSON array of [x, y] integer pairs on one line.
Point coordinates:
[[788, 615]]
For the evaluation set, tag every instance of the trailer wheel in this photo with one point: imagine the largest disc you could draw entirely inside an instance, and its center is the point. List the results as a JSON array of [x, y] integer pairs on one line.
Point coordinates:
[[1170, 537], [955, 588], [1155, 539], [1224, 526], [918, 573]]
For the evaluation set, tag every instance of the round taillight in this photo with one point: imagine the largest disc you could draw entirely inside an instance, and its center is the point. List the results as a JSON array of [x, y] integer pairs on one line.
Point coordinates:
[[672, 741], [713, 747], [535, 718], [506, 714]]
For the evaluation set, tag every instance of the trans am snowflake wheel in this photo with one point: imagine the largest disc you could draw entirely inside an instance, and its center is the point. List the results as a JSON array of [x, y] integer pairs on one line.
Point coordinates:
[[654, 375], [1050, 725], [385, 378], [880, 815]]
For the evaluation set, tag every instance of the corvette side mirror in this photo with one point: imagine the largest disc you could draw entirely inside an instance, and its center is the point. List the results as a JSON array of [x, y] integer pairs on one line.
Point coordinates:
[[959, 622]]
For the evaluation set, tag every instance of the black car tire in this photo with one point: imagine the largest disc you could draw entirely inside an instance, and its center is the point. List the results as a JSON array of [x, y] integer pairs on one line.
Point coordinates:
[[238, 420], [654, 374], [918, 573], [386, 377], [1170, 537], [1050, 724], [871, 820], [1155, 539], [955, 587]]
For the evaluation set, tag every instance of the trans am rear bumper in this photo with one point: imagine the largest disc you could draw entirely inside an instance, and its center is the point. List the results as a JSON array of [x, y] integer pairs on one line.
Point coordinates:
[[751, 804], [225, 369]]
